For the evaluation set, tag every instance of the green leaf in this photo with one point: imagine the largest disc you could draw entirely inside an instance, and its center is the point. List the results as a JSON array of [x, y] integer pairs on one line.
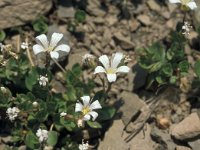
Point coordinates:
[[31, 79], [197, 68], [52, 138], [173, 79], [40, 27], [2, 35], [107, 113], [80, 16], [167, 69], [77, 70], [31, 141], [42, 115], [183, 66], [94, 124]]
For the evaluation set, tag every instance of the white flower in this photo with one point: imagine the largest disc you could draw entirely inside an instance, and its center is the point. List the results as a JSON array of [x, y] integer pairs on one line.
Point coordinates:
[[12, 113], [43, 45], [43, 80], [186, 28], [42, 135], [24, 45], [84, 146], [63, 114], [87, 57], [111, 67], [87, 109], [188, 3]]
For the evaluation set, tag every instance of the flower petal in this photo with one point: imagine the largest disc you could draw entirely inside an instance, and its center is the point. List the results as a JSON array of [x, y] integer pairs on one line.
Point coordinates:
[[63, 47], [42, 39], [93, 114], [175, 1], [111, 77], [55, 38], [123, 69], [37, 49], [105, 61], [86, 117], [95, 105], [78, 107], [54, 55], [192, 5], [99, 69], [116, 60], [86, 100]]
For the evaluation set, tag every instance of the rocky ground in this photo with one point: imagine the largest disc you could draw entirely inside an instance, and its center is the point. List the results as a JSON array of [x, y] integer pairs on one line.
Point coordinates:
[[171, 122]]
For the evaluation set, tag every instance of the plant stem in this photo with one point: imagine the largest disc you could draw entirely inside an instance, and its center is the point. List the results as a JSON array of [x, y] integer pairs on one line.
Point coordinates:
[[51, 128], [109, 87], [29, 54], [56, 62]]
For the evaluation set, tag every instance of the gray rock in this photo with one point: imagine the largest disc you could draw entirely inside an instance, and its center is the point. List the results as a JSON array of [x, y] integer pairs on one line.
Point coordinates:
[[196, 15], [114, 140], [187, 129], [65, 9], [123, 41], [130, 108], [163, 139], [182, 148], [19, 12], [153, 5], [195, 144], [144, 19]]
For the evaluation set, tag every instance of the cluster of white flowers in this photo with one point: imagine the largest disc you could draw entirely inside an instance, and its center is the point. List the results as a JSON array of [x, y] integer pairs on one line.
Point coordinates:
[[52, 47], [87, 108], [186, 28], [42, 135], [84, 146], [24, 45], [63, 114], [12, 113], [43, 80], [188, 3], [111, 67]]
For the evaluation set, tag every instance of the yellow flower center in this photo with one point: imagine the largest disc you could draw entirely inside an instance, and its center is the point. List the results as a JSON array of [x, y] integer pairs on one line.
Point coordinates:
[[86, 110], [184, 2], [110, 71], [50, 48]]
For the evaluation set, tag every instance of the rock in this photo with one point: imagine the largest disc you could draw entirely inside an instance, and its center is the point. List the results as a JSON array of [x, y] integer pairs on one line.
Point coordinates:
[[111, 20], [22, 12], [134, 24], [187, 128], [144, 19], [163, 139], [113, 139], [23, 147], [65, 9], [6, 139], [196, 15], [123, 41], [153, 5], [182, 148], [194, 144], [94, 8], [130, 108], [75, 58]]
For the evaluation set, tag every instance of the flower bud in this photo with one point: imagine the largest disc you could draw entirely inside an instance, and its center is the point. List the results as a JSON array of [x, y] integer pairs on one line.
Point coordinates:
[[35, 104]]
